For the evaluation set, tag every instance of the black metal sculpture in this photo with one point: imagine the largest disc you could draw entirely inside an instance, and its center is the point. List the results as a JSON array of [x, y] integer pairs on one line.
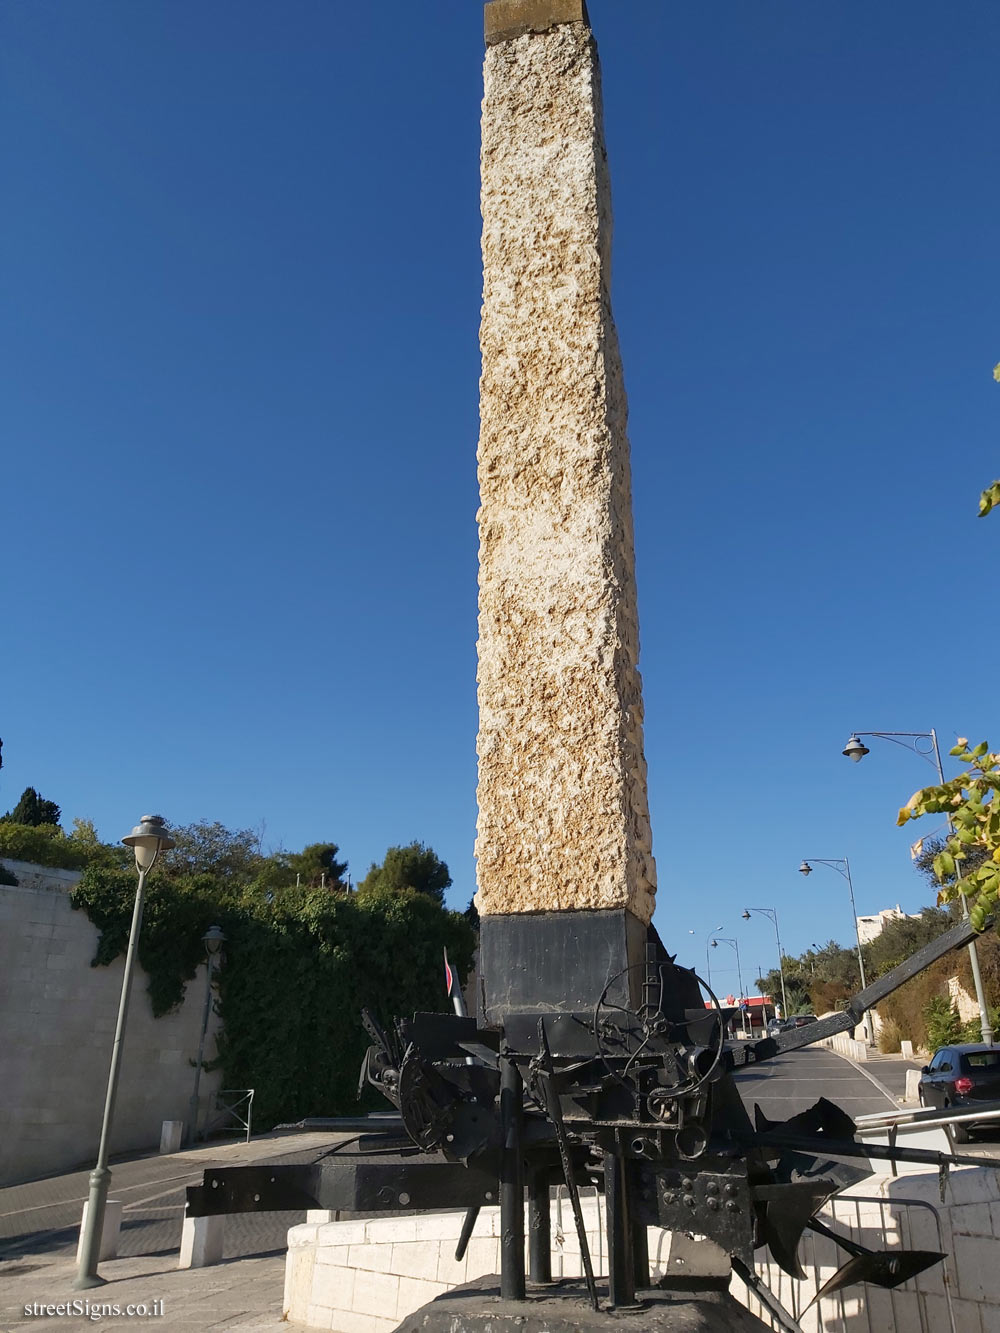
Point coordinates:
[[632, 1092]]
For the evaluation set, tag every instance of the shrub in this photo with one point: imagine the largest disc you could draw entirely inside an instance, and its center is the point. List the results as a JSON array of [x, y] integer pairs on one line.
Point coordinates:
[[944, 1027], [42, 844], [888, 1037]]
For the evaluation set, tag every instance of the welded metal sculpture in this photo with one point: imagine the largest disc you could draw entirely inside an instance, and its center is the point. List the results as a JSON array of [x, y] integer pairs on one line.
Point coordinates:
[[633, 1093]]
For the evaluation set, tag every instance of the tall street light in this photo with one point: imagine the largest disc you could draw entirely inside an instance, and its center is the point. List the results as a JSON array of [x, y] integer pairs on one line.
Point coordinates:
[[772, 916], [910, 740], [213, 940], [739, 973], [147, 839], [708, 956], [843, 867]]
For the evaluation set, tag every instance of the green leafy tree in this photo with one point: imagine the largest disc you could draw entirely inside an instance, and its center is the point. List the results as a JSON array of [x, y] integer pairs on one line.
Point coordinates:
[[233, 857], [412, 867], [33, 810], [317, 865], [969, 862]]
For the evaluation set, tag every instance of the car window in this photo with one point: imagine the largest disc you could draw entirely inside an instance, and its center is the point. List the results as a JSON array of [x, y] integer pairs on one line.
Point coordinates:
[[981, 1060]]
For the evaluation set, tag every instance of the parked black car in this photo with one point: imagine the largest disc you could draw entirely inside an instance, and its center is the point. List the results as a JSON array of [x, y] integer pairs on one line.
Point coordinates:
[[803, 1020], [961, 1076]]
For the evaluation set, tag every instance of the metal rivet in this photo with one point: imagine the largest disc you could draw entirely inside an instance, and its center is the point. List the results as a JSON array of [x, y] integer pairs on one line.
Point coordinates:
[[713, 1204], [732, 1207], [689, 1200]]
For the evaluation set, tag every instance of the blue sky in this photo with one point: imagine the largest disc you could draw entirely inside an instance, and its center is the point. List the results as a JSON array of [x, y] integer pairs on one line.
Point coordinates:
[[238, 345]]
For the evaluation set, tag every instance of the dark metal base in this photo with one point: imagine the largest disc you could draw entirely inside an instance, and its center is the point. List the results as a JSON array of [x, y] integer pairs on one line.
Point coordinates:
[[565, 1308], [558, 961]]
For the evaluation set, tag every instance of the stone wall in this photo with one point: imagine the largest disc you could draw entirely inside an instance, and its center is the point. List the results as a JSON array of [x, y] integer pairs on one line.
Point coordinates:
[[365, 1276], [57, 1022]]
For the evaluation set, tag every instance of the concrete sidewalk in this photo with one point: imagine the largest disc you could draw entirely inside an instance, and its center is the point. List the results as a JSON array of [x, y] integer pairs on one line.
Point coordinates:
[[39, 1225], [890, 1072], [236, 1295]]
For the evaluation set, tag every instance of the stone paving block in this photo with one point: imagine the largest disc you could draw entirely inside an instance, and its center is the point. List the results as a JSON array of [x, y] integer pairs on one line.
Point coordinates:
[[416, 1259], [413, 1293], [451, 1271], [972, 1219], [340, 1233], [339, 1255], [351, 1321], [320, 1316], [482, 1256], [966, 1316], [375, 1293], [333, 1286], [442, 1226], [977, 1262], [370, 1258], [388, 1229]]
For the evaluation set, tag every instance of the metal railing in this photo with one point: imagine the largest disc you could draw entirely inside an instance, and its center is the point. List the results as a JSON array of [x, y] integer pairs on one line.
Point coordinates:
[[860, 1308], [233, 1113]]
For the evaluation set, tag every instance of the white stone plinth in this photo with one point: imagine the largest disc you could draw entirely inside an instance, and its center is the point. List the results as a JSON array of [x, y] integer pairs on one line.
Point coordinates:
[[109, 1231], [171, 1136], [201, 1242]]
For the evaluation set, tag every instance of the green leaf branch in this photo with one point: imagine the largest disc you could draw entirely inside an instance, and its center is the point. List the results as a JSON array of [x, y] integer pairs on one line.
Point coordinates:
[[969, 862]]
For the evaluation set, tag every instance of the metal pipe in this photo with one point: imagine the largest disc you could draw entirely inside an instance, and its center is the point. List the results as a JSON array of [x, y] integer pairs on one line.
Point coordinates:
[[539, 1226], [511, 1184], [621, 1270]]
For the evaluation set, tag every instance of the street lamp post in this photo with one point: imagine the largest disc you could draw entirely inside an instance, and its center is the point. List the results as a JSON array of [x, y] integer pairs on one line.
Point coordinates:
[[772, 916], [856, 751], [213, 940], [739, 974], [147, 839], [708, 956], [843, 867]]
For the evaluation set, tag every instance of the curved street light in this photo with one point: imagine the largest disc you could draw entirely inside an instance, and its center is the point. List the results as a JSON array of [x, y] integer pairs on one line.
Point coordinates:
[[147, 840], [772, 916], [856, 751], [734, 944], [843, 867]]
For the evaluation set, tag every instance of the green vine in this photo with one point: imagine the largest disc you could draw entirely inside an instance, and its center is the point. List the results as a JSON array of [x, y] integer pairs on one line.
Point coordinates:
[[298, 968]]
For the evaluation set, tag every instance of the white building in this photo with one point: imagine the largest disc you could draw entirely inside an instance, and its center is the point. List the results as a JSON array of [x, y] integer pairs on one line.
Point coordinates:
[[871, 926]]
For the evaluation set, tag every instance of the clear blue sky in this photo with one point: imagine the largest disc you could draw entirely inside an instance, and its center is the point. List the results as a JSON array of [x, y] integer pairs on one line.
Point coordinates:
[[238, 346]]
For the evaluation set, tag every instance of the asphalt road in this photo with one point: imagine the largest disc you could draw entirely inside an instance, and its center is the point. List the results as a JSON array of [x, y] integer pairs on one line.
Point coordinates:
[[790, 1083]]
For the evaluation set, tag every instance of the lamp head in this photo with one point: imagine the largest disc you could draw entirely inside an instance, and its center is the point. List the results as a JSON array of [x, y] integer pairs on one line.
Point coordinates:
[[148, 839], [213, 940], [854, 750], [805, 868]]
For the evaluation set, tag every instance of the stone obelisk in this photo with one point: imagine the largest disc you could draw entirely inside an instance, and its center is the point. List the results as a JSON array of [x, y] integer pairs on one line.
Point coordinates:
[[563, 814]]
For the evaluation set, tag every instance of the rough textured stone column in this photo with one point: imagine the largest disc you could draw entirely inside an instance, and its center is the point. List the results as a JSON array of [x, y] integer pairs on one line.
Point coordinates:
[[563, 814]]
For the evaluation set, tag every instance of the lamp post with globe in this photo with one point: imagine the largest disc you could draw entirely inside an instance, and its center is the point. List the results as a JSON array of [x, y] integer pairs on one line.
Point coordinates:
[[147, 840]]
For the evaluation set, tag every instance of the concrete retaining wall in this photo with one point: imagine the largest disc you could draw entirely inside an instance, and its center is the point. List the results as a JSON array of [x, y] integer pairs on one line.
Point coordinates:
[[57, 1021], [365, 1276]]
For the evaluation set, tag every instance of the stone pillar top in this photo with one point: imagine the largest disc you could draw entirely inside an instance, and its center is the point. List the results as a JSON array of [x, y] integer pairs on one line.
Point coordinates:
[[505, 19]]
